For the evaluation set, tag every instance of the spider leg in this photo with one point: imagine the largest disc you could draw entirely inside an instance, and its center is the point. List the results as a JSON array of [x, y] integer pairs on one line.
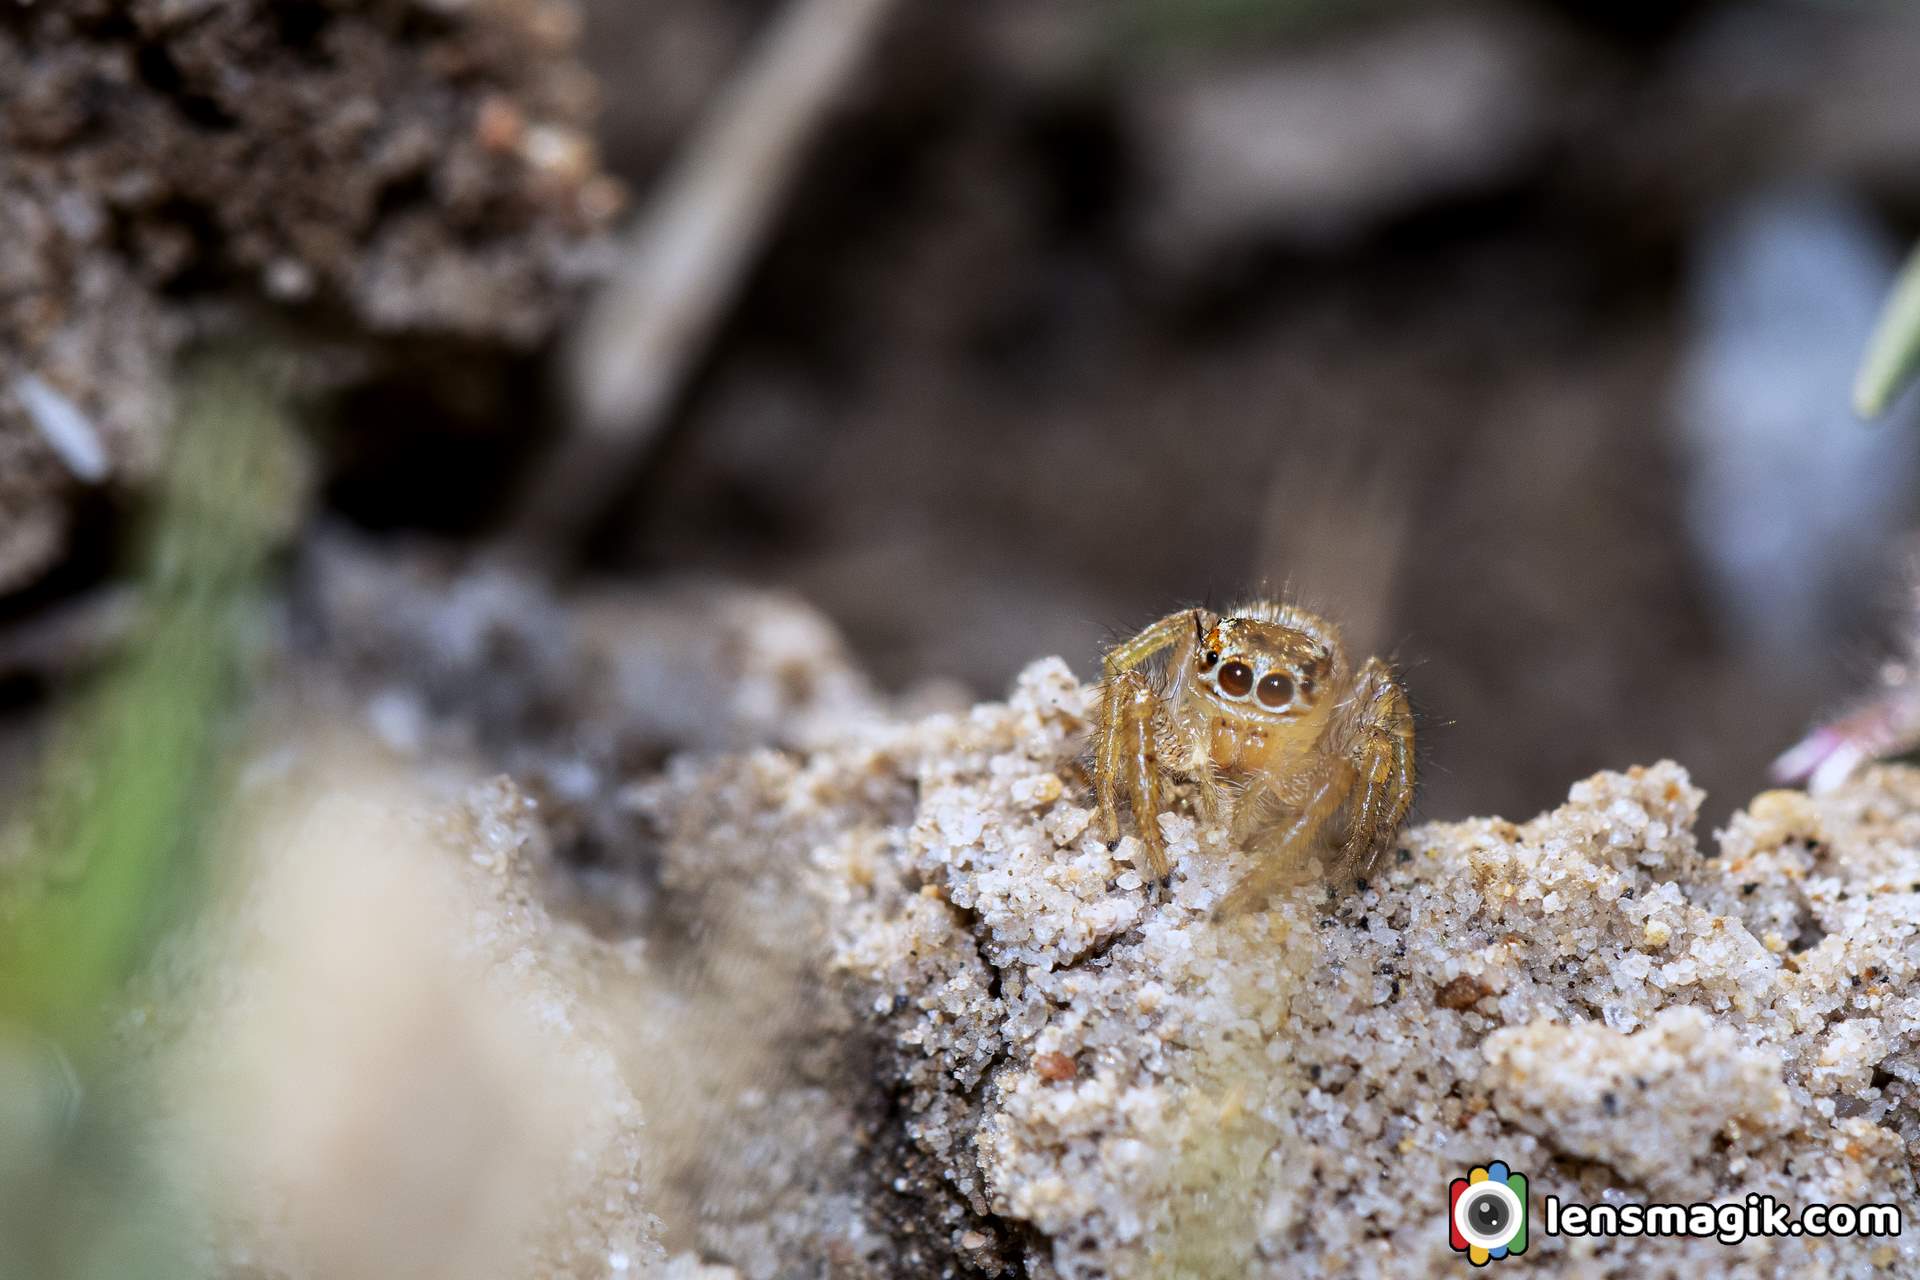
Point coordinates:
[[1156, 639], [1213, 795], [1127, 761], [1291, 842], [1128, 753], [1382, 759]]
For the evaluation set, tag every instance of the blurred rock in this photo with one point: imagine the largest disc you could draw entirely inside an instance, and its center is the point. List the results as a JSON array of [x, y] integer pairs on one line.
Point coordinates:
[[1317, 146], [687, 666], [412, 168], [575, 692]]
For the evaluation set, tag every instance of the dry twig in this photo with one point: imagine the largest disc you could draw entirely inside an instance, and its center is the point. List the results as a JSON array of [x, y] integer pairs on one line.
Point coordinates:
[[686, 256]]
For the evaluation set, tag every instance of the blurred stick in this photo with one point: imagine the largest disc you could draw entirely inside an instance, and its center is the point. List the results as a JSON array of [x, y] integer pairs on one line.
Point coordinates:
[[1893, 353], [686, 257]]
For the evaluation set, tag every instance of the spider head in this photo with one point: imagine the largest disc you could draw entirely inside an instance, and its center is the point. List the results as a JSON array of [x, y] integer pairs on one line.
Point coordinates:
[[1254, 667]]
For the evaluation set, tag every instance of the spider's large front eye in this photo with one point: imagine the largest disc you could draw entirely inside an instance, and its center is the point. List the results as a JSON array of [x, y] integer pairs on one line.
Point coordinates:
[[1235, 679], [1276, 690]]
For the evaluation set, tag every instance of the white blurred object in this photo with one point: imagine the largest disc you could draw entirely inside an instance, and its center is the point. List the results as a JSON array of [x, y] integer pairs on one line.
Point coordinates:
[[1319, 145], [394, 1062], [65, 427], [1792, 504]]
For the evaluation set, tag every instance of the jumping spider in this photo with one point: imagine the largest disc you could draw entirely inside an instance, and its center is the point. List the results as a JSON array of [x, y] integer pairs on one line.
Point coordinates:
[[1302, 756]]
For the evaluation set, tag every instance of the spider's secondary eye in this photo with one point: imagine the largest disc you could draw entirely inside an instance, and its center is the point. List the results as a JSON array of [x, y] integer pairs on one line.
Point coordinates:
[[1235, 679], [1207, 660], [1276, 690]]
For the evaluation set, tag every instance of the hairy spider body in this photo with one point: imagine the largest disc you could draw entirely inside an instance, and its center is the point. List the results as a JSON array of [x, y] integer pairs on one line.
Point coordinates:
[[1301, 755]]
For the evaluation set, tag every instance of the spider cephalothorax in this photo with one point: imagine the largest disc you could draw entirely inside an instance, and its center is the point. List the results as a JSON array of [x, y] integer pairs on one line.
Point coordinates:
[[1300, 754]]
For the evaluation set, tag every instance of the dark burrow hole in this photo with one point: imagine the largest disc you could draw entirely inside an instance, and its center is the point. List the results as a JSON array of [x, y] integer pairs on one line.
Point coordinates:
[[439, 448]]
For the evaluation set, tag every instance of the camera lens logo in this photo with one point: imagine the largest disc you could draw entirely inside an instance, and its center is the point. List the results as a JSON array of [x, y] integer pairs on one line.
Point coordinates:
[[1487, 1213]]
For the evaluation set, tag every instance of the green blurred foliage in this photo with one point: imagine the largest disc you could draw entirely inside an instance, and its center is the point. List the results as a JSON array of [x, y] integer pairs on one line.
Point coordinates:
[[115, 849], [1893, 353]]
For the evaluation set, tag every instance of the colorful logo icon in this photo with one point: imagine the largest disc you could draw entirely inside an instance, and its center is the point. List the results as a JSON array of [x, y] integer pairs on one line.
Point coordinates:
[[1487, 1213]]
